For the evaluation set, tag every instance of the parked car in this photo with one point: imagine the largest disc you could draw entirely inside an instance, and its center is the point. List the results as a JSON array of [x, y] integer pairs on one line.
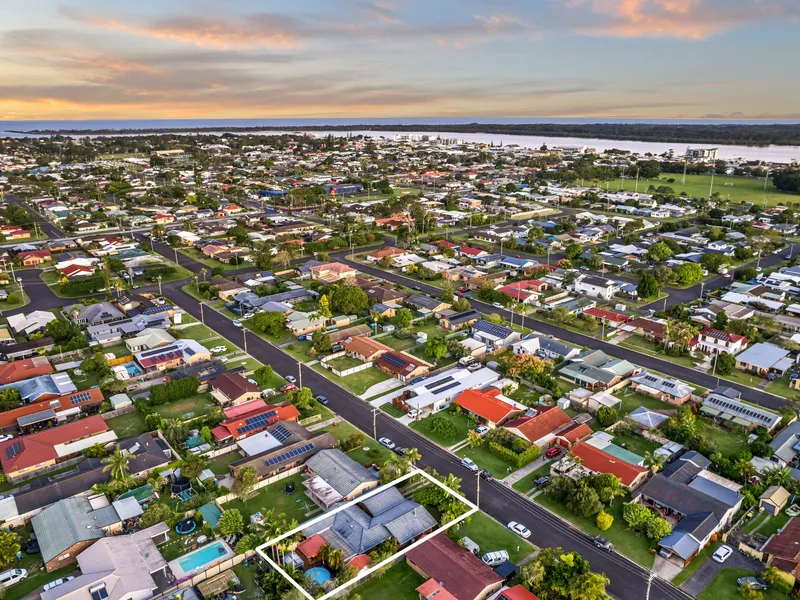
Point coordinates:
[[495, 559], [6, 436], [541, 482], [793, 510], [12, 576], [290, 379], [497, 305], [251, 380], [755, 583], [722, 554], [412, 413], [57, 582], [400, 451], [474, 367], [486, 475], [237, 323], [603, 544], [218, 349], [519, 529], [481, 430], [469, 464], [416, 287], [387, 443], [553, 452], [288, 388], [322, 400]]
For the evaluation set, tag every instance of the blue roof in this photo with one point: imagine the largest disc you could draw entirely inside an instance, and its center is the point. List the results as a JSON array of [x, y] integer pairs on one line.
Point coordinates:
[[517, 262], [681, 543]]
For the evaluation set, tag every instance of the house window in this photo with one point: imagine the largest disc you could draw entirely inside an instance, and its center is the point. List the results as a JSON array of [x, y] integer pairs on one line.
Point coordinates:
[[99, 593]]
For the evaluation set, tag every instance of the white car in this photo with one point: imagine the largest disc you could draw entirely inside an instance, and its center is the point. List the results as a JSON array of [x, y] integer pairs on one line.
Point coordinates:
[[6, 436], [481, 430], [519, 529], [387, 443], [218, 349], [722, 554], [469, 464], [497, 305], [253, 381], [57, 582], [290, 379], [237, 323]]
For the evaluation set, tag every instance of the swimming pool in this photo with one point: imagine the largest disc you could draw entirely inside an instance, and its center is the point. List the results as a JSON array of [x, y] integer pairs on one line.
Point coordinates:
[[202, 557], [132, 369], [318, 575]]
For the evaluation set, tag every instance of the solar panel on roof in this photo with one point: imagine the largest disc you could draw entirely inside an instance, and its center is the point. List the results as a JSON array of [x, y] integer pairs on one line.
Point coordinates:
[[492, 329], [286, 455], [13, 449], [445, 388], [439, 382], [281, 434], [189, 351], [82, 397], [393, 360]]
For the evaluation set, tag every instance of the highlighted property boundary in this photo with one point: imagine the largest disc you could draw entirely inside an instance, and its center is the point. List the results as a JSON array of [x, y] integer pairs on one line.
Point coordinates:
[[364, 572]]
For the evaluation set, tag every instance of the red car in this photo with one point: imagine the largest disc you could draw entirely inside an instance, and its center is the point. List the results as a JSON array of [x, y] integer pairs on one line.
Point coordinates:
[[288, 387], [553, 452]]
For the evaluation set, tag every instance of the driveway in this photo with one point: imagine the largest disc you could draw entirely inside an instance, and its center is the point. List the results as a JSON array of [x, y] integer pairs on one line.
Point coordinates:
[[701, 578], [380, 388]]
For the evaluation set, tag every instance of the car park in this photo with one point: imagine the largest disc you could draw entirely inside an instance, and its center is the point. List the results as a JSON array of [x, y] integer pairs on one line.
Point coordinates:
[[754, 582], [722, 554], [468, 463], [495, 559], [322, 400], [519, 529], [553, 452], [57, 582], [387, 443]]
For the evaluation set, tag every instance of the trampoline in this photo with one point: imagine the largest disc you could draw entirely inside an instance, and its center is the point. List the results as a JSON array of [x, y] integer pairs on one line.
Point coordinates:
[[186, 526], [318, 575], [289, 488]]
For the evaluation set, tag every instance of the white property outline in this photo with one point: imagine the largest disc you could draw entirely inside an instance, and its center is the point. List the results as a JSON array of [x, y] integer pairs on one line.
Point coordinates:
[[364, 572]]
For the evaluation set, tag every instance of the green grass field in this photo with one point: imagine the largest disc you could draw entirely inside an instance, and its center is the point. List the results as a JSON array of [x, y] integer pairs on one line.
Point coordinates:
[[128, 425], [460, 421], [272, 497], [733, 189], [197, 404], [399, 583], [486, 460], [724, 586], [492, 536]]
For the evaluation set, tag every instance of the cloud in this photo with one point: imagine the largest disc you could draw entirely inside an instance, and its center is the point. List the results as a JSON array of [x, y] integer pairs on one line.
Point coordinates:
[[382, 11], [683, 19]]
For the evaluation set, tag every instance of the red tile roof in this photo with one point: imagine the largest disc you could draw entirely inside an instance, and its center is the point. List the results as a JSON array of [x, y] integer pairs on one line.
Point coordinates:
[[547, 420], [598, 461], [485, 405], [245, 407], [230, 427], [471, 251], [723, 335], [310, 547], [39, 448], [607, 315], [575, 432], [460, 572], [24, 369], [360, 561], [518, 592], [431, 589]]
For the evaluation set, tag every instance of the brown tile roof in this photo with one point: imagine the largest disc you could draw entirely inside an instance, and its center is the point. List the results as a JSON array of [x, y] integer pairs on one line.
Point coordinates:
[[233, 385], [786, 544], [364, 346], [598, 461], [547, 420], [461, 573]]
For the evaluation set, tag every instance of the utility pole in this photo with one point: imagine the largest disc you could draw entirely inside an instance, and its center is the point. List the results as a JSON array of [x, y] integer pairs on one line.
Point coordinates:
[[711, 189], [649, 583], [375, 423], [160, 293], [244, 337], [478, 493], [300, 374], [702, 284], [202, 316]]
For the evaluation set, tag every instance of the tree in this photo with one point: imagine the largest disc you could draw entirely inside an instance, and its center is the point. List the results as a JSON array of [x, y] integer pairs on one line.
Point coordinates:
[[659, 252], [564, 263], [349, 300], [436, 348], [117, 464], [264, 373], [447, 292], [9, 547], [648, 286], [562, 315], [653, 461], [725, 363], [156, 513], [193, 465], [607, 416], [636, 516], [321, 341], [573, 251], [604, 521], [302, 398], [284, 257], [714, 262], [271, 323], [688, 273], [13, 298], [231, 522], [443, 427], [558, 575], [404, 317], [244, 480], [474, 438], [720, 321], [584, 502], [324, 309], [657, 528], [249, 541]]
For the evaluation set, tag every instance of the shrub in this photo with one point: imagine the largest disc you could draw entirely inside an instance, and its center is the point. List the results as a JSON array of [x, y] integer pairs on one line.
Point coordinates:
[[443, 427], [604, 521], [13, 298], [514, 458], [607, 416]]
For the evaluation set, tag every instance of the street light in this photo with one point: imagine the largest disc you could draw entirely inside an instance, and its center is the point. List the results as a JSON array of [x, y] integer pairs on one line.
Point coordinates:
[[21, 288]]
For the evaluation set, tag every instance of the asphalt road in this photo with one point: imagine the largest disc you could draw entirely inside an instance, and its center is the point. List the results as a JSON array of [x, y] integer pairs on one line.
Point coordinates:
[[51, 230], [628, 580]]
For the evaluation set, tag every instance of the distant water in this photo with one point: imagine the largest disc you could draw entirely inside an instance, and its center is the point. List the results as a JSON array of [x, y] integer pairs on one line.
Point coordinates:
[[778, 154]]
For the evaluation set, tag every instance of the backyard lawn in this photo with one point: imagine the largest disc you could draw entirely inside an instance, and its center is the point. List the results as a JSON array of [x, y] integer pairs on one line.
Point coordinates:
[[486, 460], [774, 524], [398, 583], [197, 332], [632, 400], [128, 425], [781, 387], [525, 484], [343, 429], [492, 536], [345, 362], [358, 383], [197, 404], [219, 466], [724, 586], [727, 442], [462, 423], [635, 443], [295, 506], [629, 543], [748, 379], [640, 344], [299, 350], [525, 395], [392, 410]]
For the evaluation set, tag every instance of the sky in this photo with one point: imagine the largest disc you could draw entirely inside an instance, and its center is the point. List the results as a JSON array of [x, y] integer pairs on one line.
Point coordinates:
[[151, 59]]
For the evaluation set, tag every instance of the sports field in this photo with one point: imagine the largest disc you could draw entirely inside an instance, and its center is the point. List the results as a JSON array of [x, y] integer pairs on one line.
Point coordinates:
[[734, 189]]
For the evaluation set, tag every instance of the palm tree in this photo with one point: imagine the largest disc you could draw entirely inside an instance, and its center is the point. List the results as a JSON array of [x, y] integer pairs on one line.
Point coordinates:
[[156, 481], [654, 461], [157, 231], [117, 464], [777, 476], [413, 455]]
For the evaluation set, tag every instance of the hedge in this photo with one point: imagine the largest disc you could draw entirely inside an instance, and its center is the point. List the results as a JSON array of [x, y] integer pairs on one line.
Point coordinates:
[[513, 458]]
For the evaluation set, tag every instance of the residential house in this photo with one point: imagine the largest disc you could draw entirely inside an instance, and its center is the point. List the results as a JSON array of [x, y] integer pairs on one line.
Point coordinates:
[[669, 390], [33, 322], [387, 251], [456, 321], [426, 304], [774, 499], [764, 358], [41, 415], [725, 405], [782, 551], [490, 407], [608, 317], [547, 426], [654, 331], [182, 352], [493, 279], [332, 272], [34, 258], [702, 502], [714, 341], [364, 348], [251, 417], [438, 391], [462, 574], [148, 339], [359, 528], [231, 389], [384, 294], [402, 366], [595, 370], [335, 477], [545, 347], [596, 287], [24, 369], [44, 387], [493, 335], [522, 291], [594, 460], [93, 314], [126, 567]]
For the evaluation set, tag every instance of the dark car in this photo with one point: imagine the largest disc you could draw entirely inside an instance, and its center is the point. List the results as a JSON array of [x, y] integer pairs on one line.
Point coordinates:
[[541, 482], [755, 583], [322, 400], [31, 547], [400, 451], [486, 475], [603, 544], [416, 287]]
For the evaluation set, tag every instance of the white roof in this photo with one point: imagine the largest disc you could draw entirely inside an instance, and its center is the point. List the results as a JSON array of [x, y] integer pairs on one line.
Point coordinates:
[[444, 386], [260, 442]]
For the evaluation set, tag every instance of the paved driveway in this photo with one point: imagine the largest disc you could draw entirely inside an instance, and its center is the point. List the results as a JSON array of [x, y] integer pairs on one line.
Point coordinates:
[[701, 578]]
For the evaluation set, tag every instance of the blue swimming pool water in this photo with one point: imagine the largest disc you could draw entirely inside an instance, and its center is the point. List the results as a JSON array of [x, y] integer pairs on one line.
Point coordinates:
[[204, 556], [132, 369], [319, 575]]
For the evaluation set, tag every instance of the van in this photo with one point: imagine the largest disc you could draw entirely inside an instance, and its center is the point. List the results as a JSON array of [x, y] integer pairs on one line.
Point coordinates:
[[467, 360], [13, 576], [495, 559], [471, 546]]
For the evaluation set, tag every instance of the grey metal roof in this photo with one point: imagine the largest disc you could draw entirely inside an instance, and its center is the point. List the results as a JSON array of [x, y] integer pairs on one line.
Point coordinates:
[[762, 355], [681, 543], [715, 490], [339, 471], [64, 524], [647, 417]]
